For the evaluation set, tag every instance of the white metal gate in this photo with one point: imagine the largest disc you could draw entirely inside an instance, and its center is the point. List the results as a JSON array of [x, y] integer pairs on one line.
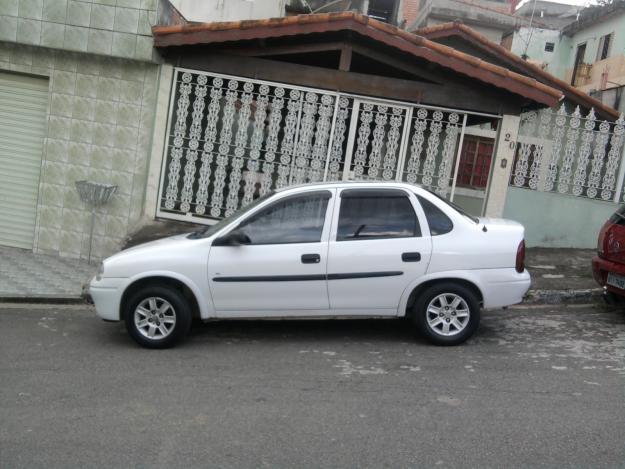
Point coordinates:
[[231, 139]]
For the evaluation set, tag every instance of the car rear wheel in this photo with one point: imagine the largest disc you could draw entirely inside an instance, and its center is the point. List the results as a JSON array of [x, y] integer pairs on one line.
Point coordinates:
[[447, 313], [157, 316]]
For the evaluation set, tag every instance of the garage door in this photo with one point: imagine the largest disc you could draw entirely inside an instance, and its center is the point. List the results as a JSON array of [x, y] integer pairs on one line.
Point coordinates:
[[23, 104]]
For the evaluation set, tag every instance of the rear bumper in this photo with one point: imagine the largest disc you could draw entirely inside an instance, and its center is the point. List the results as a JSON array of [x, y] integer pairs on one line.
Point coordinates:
[[600, 269], [106, 294], [504, 287]]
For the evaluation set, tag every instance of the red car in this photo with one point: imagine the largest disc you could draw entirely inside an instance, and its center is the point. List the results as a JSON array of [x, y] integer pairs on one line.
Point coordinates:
[[608, 266]]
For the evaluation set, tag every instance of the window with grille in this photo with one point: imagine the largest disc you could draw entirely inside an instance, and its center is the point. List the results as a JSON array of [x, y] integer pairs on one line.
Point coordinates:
[[603, 51], [549, 46]]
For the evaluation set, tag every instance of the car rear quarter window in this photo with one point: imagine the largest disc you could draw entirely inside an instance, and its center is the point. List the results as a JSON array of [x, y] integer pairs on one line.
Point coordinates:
[[376, 214], [439, 223]]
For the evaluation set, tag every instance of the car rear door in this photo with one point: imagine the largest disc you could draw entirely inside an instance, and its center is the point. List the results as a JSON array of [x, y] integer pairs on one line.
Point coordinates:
[[377, 248], [282, 271]]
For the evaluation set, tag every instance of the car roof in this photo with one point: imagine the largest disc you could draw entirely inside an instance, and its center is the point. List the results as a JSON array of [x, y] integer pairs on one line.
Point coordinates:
[[340, 184]]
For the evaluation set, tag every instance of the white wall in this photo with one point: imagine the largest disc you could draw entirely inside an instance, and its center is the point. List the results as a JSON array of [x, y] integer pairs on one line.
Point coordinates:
[[229, 10], [536, 49]]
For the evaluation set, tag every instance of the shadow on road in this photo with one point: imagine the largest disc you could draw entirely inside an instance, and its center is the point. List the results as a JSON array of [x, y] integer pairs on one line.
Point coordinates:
[[287, 331], [296, 330]]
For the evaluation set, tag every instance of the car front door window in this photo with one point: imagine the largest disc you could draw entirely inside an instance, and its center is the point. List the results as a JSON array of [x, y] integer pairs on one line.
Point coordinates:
[[296, 219]]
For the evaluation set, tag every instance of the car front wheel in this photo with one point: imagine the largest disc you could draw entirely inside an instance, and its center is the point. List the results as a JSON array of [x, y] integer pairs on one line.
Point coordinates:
[[157, 316], [447, 313]]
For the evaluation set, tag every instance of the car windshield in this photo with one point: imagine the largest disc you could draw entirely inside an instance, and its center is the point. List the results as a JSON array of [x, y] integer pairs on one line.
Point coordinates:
[[212, 229], [458, 209]]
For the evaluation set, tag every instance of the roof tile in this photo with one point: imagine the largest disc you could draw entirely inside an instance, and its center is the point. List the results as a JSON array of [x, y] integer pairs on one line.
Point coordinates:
[[391, 35]]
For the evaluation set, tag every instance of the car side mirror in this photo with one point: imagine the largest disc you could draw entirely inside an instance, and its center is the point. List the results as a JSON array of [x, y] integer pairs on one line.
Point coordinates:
[[234, 238]]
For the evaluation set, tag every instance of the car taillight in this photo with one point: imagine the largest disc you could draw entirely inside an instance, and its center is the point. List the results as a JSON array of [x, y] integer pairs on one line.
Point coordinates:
[[520, 257]]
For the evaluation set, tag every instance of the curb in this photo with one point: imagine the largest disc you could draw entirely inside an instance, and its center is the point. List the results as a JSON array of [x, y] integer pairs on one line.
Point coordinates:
[[44, 299], [588, 295]]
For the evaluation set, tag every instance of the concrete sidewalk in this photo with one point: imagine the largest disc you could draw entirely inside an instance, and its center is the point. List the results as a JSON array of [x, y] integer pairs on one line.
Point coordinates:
[[561, 275], [37, 277], [557, 275]]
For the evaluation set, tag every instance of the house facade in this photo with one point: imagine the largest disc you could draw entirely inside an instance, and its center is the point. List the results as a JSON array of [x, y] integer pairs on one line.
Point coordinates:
[[491, 18], [78, 84], [568, 159], [258, 105], [592, 53], [193, 120], [583, 47], [538, 40]]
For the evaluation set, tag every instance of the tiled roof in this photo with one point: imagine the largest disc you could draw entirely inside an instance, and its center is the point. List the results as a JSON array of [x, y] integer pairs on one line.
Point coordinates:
[[206, 33], [577, 96]]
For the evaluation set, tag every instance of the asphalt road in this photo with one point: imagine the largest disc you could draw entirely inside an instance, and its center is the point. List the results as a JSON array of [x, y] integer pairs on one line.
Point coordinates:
[[540, 387]]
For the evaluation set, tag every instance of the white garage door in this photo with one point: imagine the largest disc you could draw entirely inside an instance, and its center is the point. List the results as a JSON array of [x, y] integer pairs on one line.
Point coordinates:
[[23, 103]]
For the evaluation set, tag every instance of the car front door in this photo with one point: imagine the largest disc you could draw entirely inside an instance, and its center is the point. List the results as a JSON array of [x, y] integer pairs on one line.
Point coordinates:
[[376, 249], [280, 267]]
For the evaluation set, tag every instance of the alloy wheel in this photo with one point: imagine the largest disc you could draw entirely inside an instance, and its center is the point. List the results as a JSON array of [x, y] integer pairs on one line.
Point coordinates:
[[448, 314], [155, 318]]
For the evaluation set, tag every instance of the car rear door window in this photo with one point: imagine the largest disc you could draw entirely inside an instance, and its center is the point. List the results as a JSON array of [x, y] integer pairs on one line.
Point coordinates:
[[295, 219], [376, 214]]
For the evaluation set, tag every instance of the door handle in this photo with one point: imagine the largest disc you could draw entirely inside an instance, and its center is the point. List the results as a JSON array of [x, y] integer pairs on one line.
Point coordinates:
[[311, 258], [411, 256]]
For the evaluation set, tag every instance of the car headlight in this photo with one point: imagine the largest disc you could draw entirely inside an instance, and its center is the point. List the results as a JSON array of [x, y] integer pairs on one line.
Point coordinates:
[[100, 272]]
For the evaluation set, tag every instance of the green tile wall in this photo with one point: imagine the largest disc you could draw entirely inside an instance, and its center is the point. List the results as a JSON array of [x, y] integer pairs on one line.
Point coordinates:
[[99, 127], [119, 28]]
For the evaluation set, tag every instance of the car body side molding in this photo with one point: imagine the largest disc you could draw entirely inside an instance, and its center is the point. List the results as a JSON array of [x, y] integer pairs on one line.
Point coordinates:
[[303, 278]]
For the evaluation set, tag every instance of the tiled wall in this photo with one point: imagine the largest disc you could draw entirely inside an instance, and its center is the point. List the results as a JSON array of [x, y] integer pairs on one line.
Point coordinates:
[[119, 28], [100, 121]]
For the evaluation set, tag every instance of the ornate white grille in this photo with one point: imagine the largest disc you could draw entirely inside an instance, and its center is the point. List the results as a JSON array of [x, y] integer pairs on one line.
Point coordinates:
[[568, 153], [379, 133], [432, 148], [232, 139]]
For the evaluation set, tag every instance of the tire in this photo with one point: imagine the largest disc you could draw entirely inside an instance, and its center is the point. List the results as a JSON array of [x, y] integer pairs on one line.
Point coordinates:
[[612, 299], [447, 327], [170, 324]]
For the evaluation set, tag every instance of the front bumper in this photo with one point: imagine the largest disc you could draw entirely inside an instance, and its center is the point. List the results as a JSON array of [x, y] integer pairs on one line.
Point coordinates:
[[106, 294], [600, 269]]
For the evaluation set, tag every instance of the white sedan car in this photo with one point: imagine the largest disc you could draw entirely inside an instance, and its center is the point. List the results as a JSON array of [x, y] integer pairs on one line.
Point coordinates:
[[348, 250]]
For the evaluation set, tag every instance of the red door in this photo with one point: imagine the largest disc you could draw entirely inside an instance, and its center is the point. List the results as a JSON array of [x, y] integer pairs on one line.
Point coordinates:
[[475, 161]]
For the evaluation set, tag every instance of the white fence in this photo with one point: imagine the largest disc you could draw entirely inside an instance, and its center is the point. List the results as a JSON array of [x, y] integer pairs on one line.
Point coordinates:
[[568, 153], [231, 139]]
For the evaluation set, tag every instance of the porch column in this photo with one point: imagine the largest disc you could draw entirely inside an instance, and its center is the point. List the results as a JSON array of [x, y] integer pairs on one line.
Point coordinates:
[[159, 137], [503, 160]]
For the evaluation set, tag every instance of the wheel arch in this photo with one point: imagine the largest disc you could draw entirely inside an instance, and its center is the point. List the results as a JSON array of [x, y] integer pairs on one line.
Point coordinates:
[[189, 292], [414, 291]]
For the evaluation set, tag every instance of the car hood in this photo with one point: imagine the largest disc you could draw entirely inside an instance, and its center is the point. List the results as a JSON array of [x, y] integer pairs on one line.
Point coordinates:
[[147, 255], [150, 244]]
